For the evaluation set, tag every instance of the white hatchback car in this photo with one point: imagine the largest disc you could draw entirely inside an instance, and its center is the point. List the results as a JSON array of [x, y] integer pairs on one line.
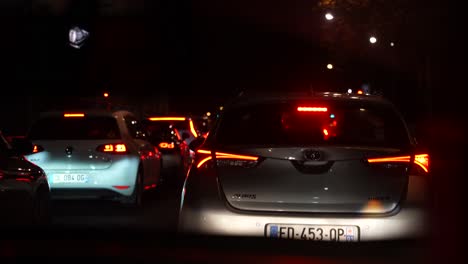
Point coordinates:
[[95, 154]]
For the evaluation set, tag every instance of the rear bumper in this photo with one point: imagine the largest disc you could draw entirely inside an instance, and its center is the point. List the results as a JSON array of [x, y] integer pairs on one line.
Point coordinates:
[[213, 216], [408, 223], [101, 183]]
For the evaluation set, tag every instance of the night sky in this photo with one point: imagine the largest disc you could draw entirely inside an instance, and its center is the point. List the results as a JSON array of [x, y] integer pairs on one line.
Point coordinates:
[[181, 56]]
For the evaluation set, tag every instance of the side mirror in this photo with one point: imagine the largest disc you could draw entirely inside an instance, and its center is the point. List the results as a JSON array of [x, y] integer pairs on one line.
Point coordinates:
[[22, 146], [196, 143]]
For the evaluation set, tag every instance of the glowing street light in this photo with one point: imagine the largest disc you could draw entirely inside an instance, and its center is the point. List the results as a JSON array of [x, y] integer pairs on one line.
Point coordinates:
[[106, 95], [372, 40], [329, 66], [392, 44], [329, 16]]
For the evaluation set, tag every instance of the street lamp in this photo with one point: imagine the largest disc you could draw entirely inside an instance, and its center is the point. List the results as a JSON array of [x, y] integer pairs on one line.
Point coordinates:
[[329, 66], [392, 44], [372, 40], [77, 36], [329, 16]]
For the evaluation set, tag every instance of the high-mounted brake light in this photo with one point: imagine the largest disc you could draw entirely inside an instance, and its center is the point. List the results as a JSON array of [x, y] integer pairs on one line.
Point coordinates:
[[167, 118], [118, 148], [312, 109], [422, 160], [73, 115], [221, 155]]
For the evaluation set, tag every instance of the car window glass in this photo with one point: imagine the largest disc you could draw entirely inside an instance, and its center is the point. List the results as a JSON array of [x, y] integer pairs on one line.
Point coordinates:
[[135, 127], [75, 128], [341, 124]]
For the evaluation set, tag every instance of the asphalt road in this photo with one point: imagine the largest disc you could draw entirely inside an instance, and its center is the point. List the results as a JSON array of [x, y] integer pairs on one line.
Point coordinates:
[[110, 229], [158, 213]]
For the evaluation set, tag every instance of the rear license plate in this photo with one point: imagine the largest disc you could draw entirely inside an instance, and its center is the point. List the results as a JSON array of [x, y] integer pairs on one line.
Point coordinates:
[[331, 233], [70, 178]]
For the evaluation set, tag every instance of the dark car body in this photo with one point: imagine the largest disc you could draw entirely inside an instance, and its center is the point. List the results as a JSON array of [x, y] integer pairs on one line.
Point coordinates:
[[24, 190]]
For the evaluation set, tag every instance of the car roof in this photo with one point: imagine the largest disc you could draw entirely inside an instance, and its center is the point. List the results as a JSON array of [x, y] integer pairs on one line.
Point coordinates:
[[87, 112], [259, 98]]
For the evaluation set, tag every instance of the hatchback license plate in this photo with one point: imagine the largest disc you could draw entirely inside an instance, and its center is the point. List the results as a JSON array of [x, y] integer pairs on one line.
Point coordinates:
[[70, 178], [331, 233]]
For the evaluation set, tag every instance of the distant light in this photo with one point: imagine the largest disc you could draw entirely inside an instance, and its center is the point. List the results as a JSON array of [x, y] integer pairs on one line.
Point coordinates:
[[208, 114], [77, 36], [392, 44], [329, 16], [332, 116], [106, 95], [373, 40], [350, 91], [360, 92], [221, 108], [329, 66]]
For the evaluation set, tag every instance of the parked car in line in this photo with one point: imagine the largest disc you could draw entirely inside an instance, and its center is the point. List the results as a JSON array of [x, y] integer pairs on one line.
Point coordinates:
[[176, 155], [24, 190], [184, 125], [328, 167], [95, 154]]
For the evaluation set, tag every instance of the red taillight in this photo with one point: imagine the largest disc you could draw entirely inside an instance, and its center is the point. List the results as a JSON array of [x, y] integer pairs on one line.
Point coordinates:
[[231, 159], [37, 149], [121, 187], [165, 145], [116, 148], [312, 109], [390, 159], [422, 160]]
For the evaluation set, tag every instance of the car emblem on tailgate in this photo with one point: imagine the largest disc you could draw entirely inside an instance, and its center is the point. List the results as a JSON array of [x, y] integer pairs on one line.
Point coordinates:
[[69, 150], [311, 154]]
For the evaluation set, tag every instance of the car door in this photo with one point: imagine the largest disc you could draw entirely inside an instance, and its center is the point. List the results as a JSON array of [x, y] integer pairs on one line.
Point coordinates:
[[149, 155]]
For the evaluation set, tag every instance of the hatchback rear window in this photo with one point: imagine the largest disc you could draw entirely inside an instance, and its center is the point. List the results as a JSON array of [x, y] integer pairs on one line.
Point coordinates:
[[317, 123], [57, 128]]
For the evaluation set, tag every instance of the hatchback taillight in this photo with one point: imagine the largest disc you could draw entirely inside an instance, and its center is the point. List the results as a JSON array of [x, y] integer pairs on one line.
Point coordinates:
[[114, 148], [421, 161], [225, 159], [37, 149]]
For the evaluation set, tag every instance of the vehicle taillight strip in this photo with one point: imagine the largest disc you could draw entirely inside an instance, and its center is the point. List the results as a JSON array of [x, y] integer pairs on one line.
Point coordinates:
[[202, 151], [167, 118], [192, 129], [423, 161], [392, 159], [203, 161], [221, 155]]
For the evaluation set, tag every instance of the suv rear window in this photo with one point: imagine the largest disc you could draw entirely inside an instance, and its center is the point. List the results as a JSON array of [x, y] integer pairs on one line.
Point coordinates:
[[343, 123], [57, 128]]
